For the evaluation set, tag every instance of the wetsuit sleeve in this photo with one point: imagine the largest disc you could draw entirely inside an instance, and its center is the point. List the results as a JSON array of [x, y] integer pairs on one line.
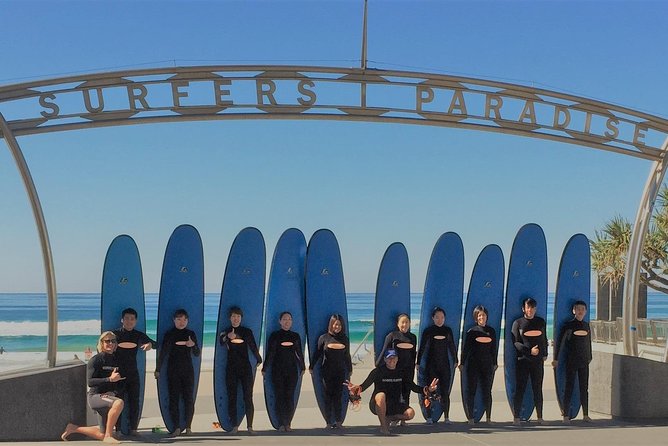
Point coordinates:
[[414, 349], [451, 344], [318, 352], [466, 348], [517, 339], [423, 344], [543, 339], [589, 355], [369, 379], [299, 352], [164, 351], [386, 346], [144, 339], [253, 346], [415, 388], [91, 369], [495, 339], [196, 351], [560, 339], [348, 359], [271, 351]]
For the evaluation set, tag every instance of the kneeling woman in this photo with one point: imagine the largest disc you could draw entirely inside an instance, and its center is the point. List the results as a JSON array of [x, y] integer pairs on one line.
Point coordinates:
[[387, 401], [104, 388]]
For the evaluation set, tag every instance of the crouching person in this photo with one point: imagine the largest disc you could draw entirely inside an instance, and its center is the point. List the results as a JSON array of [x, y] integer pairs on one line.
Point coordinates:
[[388, 401], [104, 387]]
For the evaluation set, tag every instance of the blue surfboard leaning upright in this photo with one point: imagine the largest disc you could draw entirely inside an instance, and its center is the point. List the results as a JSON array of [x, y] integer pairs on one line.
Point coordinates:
[[181, 286], [573, 284], [325, 295], [527, 277], [486, 289], [393, 294], [123, 287], [285, 293], [243, 287], [444, 288]]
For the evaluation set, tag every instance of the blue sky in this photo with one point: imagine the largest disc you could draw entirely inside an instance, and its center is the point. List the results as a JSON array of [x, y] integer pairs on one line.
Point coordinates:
[[371, 183]]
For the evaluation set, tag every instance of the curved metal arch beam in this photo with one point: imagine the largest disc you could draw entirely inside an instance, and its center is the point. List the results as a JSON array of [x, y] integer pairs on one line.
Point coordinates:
[[47, 257], [632, 273]]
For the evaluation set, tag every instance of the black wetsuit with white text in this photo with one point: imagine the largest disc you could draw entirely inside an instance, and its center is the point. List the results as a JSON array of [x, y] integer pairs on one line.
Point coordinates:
[[439, 344], [336, 368], [406, 356], [180, 372], [577, 361], [239, 370], [480, 361], [391, 383], [286, 358], [529, 365], [127, 367]]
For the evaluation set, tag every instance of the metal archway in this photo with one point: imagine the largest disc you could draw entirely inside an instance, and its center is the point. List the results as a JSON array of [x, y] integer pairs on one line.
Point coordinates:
[[351, 94]]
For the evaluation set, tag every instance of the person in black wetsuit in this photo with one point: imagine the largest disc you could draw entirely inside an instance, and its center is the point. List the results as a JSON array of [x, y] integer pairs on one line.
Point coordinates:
[[103, 392], [438, 341], [575, 337], [178, 346], [404, 343], [239, 340], [387, 400], [334, 351], [530, 340], [479, 358], [129, 342], [285, 355]]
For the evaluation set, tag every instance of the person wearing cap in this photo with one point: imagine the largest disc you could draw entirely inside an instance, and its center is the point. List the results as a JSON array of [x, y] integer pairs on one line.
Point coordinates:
[[388, 401]]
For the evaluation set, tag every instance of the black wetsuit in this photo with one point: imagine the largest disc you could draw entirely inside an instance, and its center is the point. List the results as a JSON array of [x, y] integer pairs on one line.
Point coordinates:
[[527, 364], [180, 372], [480, 360], [336, 368], [392, 383], [439, 344], [127, 367], [577, 362], [239, 371], [285, 355], [407, 356], [101, 392]]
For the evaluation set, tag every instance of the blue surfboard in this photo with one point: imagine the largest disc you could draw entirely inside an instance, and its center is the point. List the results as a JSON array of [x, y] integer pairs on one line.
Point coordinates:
[[393, 294], [181, 286], [325, 295], [486, 289], [443, 287], [285, 293], [243, 287], [123, 287], [527, 277], [573, 284]]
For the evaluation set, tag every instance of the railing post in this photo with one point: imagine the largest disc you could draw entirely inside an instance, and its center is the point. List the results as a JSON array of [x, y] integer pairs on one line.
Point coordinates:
[[52, 296]]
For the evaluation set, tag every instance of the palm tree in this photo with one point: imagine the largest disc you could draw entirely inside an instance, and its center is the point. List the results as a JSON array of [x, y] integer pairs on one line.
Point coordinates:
[[611, 245]]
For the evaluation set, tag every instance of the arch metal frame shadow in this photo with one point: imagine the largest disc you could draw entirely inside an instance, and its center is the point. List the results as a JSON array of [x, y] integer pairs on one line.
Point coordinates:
[[330, 93]]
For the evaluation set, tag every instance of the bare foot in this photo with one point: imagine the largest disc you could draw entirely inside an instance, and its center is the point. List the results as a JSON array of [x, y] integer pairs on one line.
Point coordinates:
[[385, 431], [110, 440], [69, 429]]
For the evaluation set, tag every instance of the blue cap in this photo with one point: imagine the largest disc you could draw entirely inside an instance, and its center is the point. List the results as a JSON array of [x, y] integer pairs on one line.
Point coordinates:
[[390, 353]]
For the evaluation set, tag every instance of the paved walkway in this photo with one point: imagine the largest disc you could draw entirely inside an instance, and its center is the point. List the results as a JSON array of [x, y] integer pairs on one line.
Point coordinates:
[[362, 427]]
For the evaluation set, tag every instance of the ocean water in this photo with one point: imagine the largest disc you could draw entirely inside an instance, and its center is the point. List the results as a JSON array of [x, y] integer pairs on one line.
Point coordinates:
[[23, 318]]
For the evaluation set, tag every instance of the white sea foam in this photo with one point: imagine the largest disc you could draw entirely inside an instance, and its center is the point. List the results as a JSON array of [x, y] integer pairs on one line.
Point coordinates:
[[65, 328]]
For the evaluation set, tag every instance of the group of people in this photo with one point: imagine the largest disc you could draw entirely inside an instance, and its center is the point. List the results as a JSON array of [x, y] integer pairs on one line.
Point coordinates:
[[113, 377]]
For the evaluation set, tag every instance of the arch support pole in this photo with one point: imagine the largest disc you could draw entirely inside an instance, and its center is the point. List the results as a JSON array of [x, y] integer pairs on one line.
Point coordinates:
[[47, 257], [632, 274]]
